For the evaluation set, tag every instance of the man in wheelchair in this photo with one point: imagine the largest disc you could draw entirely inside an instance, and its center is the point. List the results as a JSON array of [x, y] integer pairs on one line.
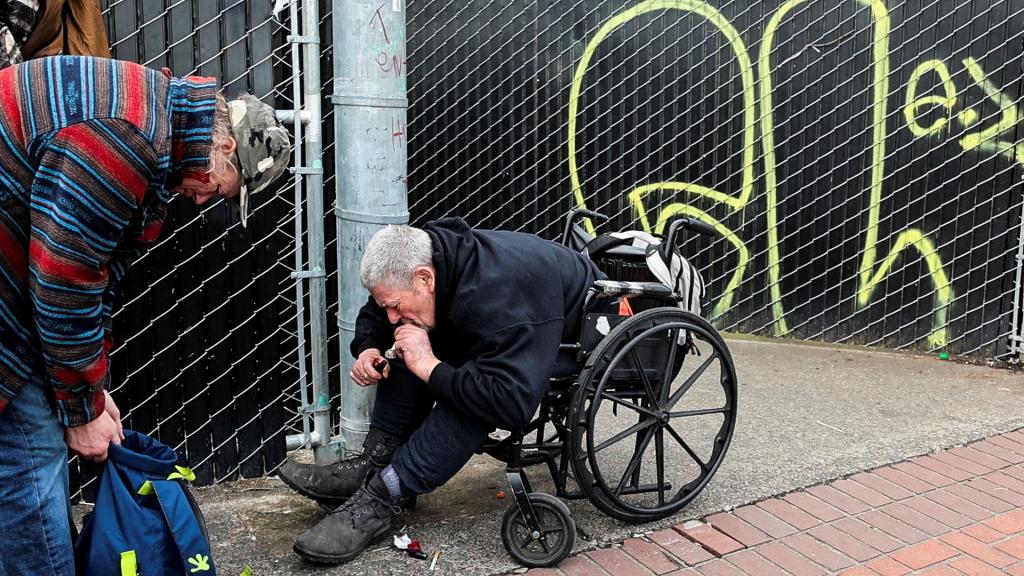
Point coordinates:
[[475, 319]]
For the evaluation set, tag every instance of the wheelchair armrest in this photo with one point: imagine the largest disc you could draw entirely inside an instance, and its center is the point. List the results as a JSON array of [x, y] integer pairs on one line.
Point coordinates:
[[609, 288]]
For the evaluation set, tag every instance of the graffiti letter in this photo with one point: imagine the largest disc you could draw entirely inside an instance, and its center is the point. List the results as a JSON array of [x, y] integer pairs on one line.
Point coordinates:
[[749, 136], [869, 277], [948, 101], [985, 140], [771, 183]]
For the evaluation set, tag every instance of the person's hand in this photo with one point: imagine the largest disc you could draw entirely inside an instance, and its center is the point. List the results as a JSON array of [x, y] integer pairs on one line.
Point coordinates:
[[412, 344], [364, 372], [115, 414], [90, 441]]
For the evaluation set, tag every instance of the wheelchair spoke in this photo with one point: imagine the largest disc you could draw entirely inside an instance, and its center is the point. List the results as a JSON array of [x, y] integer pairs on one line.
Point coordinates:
[[659, 456], [686, 447], [624, 434], [630, 405], [703, 412], [690, 381], [635, 356], [672, 348], [634, 462]]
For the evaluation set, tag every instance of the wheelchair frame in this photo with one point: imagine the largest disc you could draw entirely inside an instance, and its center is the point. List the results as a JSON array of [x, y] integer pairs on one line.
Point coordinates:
[[538, 529]]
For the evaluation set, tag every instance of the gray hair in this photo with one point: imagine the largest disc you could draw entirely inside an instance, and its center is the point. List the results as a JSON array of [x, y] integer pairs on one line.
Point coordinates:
[[392, 256], [219, 134]]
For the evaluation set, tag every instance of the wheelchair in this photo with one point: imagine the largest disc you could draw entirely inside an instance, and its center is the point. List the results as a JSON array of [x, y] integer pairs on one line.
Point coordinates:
[[640, 426]]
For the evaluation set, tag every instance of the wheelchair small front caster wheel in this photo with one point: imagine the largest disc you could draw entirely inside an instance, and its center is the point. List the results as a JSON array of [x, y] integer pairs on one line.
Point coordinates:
[[544, 547]]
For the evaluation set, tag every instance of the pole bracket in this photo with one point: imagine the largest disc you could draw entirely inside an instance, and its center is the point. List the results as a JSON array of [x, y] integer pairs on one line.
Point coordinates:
[[299, 39], [313, 409], [367, 218], [304, 274], [369, 101]]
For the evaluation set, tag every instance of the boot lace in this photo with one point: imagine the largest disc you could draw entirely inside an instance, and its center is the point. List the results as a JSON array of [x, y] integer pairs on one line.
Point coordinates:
[[373, 456], [355, 463], [363, 498]]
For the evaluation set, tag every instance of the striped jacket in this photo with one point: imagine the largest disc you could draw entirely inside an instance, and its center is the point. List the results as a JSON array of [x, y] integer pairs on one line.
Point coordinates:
[[89, 149]]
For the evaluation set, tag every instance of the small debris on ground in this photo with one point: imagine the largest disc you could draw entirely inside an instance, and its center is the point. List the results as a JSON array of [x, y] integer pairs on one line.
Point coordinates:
[[411, 546]]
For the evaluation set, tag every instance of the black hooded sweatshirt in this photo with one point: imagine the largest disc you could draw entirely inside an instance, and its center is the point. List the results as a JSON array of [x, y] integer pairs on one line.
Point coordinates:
[[504, 301]]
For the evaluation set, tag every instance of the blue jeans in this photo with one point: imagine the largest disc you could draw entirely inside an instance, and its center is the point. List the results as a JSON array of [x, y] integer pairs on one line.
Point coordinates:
[[439, 439], [36, 537]]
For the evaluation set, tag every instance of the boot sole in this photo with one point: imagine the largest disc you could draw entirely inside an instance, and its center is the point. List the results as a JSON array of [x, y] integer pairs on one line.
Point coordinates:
[[341, 559], [332, 501]]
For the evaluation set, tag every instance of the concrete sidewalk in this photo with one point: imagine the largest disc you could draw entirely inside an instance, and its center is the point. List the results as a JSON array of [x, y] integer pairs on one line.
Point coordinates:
[[808, 414]]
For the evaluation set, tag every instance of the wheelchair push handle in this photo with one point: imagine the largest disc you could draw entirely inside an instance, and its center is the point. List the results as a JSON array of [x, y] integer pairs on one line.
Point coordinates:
[[573, 215], [690, 224]]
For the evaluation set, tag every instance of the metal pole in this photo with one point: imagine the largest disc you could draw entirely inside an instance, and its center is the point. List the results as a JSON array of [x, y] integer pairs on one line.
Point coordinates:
[[1017, 330], [370, 155], [312, 175], [300, 308], [315, 220]]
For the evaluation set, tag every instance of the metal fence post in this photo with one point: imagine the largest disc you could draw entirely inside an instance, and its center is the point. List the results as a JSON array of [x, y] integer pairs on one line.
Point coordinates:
[[1016, 338], [315, 211], [370, 157], [306, 439], [312, 175]]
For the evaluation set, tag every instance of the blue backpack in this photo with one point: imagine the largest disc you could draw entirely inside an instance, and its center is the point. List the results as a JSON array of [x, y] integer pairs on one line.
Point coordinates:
[[145, 522]]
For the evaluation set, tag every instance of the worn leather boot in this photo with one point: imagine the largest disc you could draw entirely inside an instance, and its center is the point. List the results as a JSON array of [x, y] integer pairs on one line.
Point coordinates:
[[363, 519], [332, 484]]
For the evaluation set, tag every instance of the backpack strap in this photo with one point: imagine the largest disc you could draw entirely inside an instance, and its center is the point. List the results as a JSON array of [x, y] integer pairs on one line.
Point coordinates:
[[129, 563], [601, 244], [193, 547]]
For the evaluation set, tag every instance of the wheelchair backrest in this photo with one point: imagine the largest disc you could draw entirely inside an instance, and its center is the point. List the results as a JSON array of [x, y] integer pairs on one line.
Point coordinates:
[[636, 256]]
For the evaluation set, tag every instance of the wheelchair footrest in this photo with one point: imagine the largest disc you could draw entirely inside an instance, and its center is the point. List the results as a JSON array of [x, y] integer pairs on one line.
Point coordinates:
[[620, 288]]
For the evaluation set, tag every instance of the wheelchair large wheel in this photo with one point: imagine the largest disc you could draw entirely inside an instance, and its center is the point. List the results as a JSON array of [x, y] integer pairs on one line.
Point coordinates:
[[547, 547], [653, 415]]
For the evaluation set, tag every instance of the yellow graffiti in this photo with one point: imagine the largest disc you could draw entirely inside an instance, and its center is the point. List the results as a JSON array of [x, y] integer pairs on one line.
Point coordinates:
[[749, 132], [716, 18], [869, 276], [743, 255], [869, 280], [913, 102], [771, 183], [986, 140], [1009, 116]]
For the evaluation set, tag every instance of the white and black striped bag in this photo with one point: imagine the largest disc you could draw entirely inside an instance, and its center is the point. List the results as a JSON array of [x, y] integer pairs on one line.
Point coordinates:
[[677, 274]]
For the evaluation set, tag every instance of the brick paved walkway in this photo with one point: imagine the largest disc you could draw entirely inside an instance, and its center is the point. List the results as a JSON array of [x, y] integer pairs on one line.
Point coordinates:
[[955, 512]]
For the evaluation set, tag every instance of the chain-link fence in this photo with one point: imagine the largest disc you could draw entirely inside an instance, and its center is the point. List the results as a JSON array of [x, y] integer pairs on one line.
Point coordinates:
[[861, 162], [208, 356]]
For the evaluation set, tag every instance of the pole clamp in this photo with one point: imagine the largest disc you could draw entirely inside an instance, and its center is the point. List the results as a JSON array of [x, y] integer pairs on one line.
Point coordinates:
[[306, 170], [367, 218], [304, 274], [313, 409], [358, 101], [298, 39]]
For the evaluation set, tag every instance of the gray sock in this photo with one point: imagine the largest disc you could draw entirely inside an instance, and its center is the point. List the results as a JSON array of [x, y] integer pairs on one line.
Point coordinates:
[[390, 478]]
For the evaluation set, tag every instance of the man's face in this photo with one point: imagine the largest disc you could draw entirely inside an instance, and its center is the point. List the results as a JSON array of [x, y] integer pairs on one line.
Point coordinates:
[[225, 183], [413, 305]]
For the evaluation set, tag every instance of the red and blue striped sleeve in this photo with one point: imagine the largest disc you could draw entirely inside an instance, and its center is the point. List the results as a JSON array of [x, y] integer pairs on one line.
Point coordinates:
[[91, 179]]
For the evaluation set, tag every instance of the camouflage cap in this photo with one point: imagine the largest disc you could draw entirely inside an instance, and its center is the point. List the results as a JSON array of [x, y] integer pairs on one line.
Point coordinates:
[[262, 147]]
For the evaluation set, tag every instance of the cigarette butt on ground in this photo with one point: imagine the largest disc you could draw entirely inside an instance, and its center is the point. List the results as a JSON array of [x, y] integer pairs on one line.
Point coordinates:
[[433, 561]]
